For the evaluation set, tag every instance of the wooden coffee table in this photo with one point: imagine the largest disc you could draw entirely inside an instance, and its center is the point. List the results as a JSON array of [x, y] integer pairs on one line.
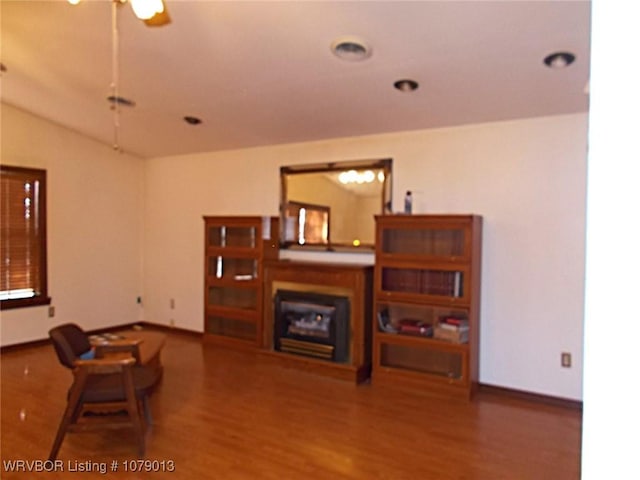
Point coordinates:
[[145, 346]]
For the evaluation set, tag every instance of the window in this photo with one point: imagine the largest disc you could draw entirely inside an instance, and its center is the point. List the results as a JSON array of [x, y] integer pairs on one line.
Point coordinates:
[[23, 237], [307, 223]]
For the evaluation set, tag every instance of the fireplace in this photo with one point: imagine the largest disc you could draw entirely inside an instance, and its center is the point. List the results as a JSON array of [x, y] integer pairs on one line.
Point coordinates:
[[312, 324]]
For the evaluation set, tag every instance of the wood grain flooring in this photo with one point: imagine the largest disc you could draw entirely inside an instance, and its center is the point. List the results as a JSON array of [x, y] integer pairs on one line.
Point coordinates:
[[224, 414]]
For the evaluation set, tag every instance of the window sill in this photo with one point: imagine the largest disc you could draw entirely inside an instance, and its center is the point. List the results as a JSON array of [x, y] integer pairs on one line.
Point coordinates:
[[24, 302]]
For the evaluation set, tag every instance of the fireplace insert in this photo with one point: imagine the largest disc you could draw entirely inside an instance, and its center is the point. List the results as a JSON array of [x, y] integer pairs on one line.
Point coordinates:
[[312, 324]]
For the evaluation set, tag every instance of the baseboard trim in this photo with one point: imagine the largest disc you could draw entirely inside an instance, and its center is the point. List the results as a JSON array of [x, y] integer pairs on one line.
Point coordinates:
[[171, 329], [47, 341], [568, 403], [22, 346], [97, 331]]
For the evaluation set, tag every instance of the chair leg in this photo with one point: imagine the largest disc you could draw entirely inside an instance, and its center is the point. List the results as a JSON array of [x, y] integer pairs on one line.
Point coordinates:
[[134, 412], [70, 413], [62, 430], [147, 410]]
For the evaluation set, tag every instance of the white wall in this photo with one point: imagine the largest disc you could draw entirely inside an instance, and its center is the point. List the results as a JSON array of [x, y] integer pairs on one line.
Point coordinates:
[[611, 415], [526, 178], [94, 227]]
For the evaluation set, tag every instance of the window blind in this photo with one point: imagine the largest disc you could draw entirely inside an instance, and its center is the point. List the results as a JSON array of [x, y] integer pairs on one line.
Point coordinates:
[[23, 280]]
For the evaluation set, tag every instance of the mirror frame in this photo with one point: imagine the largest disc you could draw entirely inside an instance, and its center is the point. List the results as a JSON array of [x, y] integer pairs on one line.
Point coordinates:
[[287, 172]]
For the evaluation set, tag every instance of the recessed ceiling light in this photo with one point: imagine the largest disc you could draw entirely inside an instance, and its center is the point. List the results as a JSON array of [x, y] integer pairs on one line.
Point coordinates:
[[406, 85], [559, 59], [192, 120], [351, 49]]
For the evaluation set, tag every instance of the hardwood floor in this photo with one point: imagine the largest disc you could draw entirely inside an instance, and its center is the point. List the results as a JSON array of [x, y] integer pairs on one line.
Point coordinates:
[[223, 414]]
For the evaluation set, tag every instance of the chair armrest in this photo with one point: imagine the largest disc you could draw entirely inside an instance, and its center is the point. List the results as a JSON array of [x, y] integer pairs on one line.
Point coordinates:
[[109, 364]]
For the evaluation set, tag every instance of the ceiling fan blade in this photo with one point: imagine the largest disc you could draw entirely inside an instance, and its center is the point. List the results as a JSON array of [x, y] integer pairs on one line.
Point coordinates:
[[159, 19]]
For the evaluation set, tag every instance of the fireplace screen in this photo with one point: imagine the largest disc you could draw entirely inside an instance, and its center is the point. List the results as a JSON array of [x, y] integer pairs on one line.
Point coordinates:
[[312, 324], [308, 320]]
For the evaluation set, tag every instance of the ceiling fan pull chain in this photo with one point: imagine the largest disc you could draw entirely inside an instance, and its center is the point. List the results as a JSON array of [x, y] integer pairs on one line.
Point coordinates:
[[114, 74]]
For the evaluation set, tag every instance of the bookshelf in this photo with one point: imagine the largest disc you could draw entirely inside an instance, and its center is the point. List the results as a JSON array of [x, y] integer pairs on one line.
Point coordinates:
[[235, 250], [426, 302]]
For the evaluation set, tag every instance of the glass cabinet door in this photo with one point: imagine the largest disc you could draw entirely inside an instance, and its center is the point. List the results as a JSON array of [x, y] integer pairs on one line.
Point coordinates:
[[232, 268], [236, 236], [418, 320], [446, 243], [439, 362], [231, 327], [452, 284], [233, 297]]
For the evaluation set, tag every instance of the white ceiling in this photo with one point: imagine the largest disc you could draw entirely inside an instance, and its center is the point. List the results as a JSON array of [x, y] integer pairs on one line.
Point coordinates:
[[261, 73]]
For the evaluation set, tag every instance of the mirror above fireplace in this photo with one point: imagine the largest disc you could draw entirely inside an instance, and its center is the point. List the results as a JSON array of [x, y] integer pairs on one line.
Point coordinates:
[[332, 206]]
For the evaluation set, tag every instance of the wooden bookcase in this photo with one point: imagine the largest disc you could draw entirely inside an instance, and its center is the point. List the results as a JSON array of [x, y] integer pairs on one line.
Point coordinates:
[[235, 250], [427, 270]]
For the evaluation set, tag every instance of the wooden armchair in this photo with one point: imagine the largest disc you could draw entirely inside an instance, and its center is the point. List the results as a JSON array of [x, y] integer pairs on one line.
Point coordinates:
[[107, 383]]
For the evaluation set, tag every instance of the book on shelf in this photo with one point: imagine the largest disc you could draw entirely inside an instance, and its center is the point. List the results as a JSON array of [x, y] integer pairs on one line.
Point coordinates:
[[240, 277], [454, 321], [406, 280], [454, 336], [415, 327], [457, 284], [384, 322], [454, 328], [442, 282]]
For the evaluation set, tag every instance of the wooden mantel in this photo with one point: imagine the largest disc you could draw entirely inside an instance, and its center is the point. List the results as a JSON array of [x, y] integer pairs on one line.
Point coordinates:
[[348, 280]]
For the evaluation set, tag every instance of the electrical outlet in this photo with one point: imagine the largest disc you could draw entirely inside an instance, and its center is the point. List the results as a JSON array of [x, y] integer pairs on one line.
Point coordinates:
[[52, 311], [565, 359], [172, 304]]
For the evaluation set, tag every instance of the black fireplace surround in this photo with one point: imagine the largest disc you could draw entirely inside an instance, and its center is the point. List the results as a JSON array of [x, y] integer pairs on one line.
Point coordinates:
[[312, 324]]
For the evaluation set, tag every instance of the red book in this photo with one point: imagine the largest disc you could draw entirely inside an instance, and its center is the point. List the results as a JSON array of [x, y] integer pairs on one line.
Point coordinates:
[[415, 327], [458, 322]]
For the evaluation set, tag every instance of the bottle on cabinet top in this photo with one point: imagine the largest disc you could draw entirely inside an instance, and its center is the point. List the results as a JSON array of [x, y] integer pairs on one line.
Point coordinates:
[[408, 202]]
